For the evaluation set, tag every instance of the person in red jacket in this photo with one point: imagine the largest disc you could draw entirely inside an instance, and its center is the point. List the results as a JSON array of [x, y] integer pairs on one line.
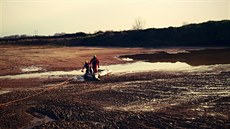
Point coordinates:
[[95, 63]]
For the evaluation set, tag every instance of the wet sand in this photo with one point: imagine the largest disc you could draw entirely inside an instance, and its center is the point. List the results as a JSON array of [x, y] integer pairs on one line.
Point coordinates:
[[14, 59], [156, 99]]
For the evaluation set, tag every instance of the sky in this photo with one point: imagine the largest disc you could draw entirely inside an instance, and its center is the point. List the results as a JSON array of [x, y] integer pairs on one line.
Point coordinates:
[[47, 17]]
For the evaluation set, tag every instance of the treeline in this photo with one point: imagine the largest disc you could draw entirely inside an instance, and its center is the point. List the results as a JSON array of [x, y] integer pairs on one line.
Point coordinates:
[[212, 33], [39, 40]]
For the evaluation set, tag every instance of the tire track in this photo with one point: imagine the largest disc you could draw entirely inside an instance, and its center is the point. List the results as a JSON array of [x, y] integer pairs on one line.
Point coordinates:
[[38, 93]]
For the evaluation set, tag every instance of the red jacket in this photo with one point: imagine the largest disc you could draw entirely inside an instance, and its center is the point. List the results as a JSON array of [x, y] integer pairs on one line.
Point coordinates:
[[95, 62]]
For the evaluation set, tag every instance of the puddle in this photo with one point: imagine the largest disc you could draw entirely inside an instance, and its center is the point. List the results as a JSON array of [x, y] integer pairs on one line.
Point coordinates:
[[139, 66], [176, 52], [31, 69], [43, 74], [4, 92], [127, 59], [38, 121]]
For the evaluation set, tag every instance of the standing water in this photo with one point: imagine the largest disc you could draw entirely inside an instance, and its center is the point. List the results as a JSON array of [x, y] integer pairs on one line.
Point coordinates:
[[139, 66]]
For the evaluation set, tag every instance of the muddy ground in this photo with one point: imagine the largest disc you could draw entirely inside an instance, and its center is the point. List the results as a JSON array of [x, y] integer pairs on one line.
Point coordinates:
[[134, 100], [51, 58]]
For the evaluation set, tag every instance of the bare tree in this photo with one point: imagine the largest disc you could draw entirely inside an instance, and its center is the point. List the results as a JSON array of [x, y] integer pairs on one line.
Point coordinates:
[[138, 24], [35, 32], [184, 23]]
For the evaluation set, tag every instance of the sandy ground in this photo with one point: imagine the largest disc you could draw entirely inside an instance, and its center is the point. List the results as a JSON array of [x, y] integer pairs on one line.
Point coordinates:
[[13, 58], [140, 100]]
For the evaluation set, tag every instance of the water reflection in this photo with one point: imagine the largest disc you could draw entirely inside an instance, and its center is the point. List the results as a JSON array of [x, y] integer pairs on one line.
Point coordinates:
[[43, 74], [4, 92], [127, 59], [139, 66], [31, 69]]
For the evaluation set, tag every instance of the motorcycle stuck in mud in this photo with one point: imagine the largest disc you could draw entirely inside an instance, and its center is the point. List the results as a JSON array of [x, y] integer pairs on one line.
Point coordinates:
[[96, 76], [94, 73]]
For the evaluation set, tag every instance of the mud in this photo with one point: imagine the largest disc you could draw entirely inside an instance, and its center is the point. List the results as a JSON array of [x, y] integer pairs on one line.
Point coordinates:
[[156, 99], [143, 100]]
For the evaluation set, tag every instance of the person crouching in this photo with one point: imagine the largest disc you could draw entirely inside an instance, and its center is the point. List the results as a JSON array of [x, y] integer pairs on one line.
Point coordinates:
[[87, 67]]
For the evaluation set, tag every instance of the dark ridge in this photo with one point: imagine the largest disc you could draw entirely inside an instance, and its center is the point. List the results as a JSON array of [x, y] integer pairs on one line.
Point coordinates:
[[193, 57], [211, 33]]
